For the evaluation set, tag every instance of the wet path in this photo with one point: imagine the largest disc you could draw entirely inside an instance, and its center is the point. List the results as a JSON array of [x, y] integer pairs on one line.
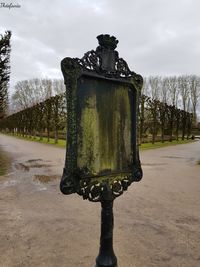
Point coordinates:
[[157, 221], [28, 163]]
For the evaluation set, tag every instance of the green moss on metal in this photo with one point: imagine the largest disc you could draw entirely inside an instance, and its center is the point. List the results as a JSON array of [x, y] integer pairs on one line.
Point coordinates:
[[104, 137], [88, 153]]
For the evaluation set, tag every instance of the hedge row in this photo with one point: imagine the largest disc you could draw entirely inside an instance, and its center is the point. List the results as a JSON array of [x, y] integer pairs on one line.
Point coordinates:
[[156, 120]]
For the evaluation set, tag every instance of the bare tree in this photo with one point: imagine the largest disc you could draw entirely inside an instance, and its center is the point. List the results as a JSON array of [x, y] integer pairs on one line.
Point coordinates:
[[184, 96], [194, 90], [184, 91], [164, 90], [173, 90], [20, 98], [31, 92], [58, 86], [46, 88], [154, 83]]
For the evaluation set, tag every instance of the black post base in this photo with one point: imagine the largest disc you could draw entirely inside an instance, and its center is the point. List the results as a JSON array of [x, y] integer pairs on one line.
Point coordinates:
[[106, 257]]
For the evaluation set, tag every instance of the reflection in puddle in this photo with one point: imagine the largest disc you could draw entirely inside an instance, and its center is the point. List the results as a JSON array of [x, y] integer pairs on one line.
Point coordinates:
[[5, 162], [21, 166], [46, 178], [31, 163]]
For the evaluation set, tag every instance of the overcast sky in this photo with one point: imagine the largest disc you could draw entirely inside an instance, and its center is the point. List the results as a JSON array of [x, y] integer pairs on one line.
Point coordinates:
[[156, 37]]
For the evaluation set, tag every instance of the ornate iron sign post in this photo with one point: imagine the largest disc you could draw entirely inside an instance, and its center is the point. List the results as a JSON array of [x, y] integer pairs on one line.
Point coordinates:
[[102, 157]]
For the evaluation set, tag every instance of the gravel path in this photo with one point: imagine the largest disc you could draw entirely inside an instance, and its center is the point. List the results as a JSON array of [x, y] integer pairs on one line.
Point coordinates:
[[157, 221]]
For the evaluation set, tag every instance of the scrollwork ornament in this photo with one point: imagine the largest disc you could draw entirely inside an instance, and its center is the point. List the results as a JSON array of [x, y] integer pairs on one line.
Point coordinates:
[[95, 191], [90, 61], [117, 188], [122, 68]]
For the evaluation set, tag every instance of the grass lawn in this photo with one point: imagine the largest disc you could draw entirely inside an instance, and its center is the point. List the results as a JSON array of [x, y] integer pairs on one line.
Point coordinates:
[[166, 143]]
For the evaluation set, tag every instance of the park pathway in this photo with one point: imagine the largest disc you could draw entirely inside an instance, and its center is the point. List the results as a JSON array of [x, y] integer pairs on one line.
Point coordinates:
[[157, 221]]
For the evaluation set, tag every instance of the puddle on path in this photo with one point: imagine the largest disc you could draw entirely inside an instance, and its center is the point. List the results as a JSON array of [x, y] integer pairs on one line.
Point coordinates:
[[5, 162], [31, 163], [46, 178], [36, 170]]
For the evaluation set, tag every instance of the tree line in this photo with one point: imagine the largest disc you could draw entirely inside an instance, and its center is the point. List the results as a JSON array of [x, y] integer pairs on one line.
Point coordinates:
[[168, 107], [46, 118], [162, 121], [158, 120], [182, 92]]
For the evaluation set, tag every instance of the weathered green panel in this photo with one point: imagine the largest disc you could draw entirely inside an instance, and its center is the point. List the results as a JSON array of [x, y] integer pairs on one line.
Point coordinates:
[[104, 127]]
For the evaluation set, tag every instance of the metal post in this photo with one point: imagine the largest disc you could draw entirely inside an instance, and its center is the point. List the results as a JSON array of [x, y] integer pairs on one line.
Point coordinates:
[[106, 257]]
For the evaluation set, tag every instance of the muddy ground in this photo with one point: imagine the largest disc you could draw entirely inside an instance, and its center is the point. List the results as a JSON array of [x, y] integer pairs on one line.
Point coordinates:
[[157, 221]]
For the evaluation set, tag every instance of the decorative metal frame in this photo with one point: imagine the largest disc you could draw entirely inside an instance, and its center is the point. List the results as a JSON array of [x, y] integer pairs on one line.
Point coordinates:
[[104, 63]]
